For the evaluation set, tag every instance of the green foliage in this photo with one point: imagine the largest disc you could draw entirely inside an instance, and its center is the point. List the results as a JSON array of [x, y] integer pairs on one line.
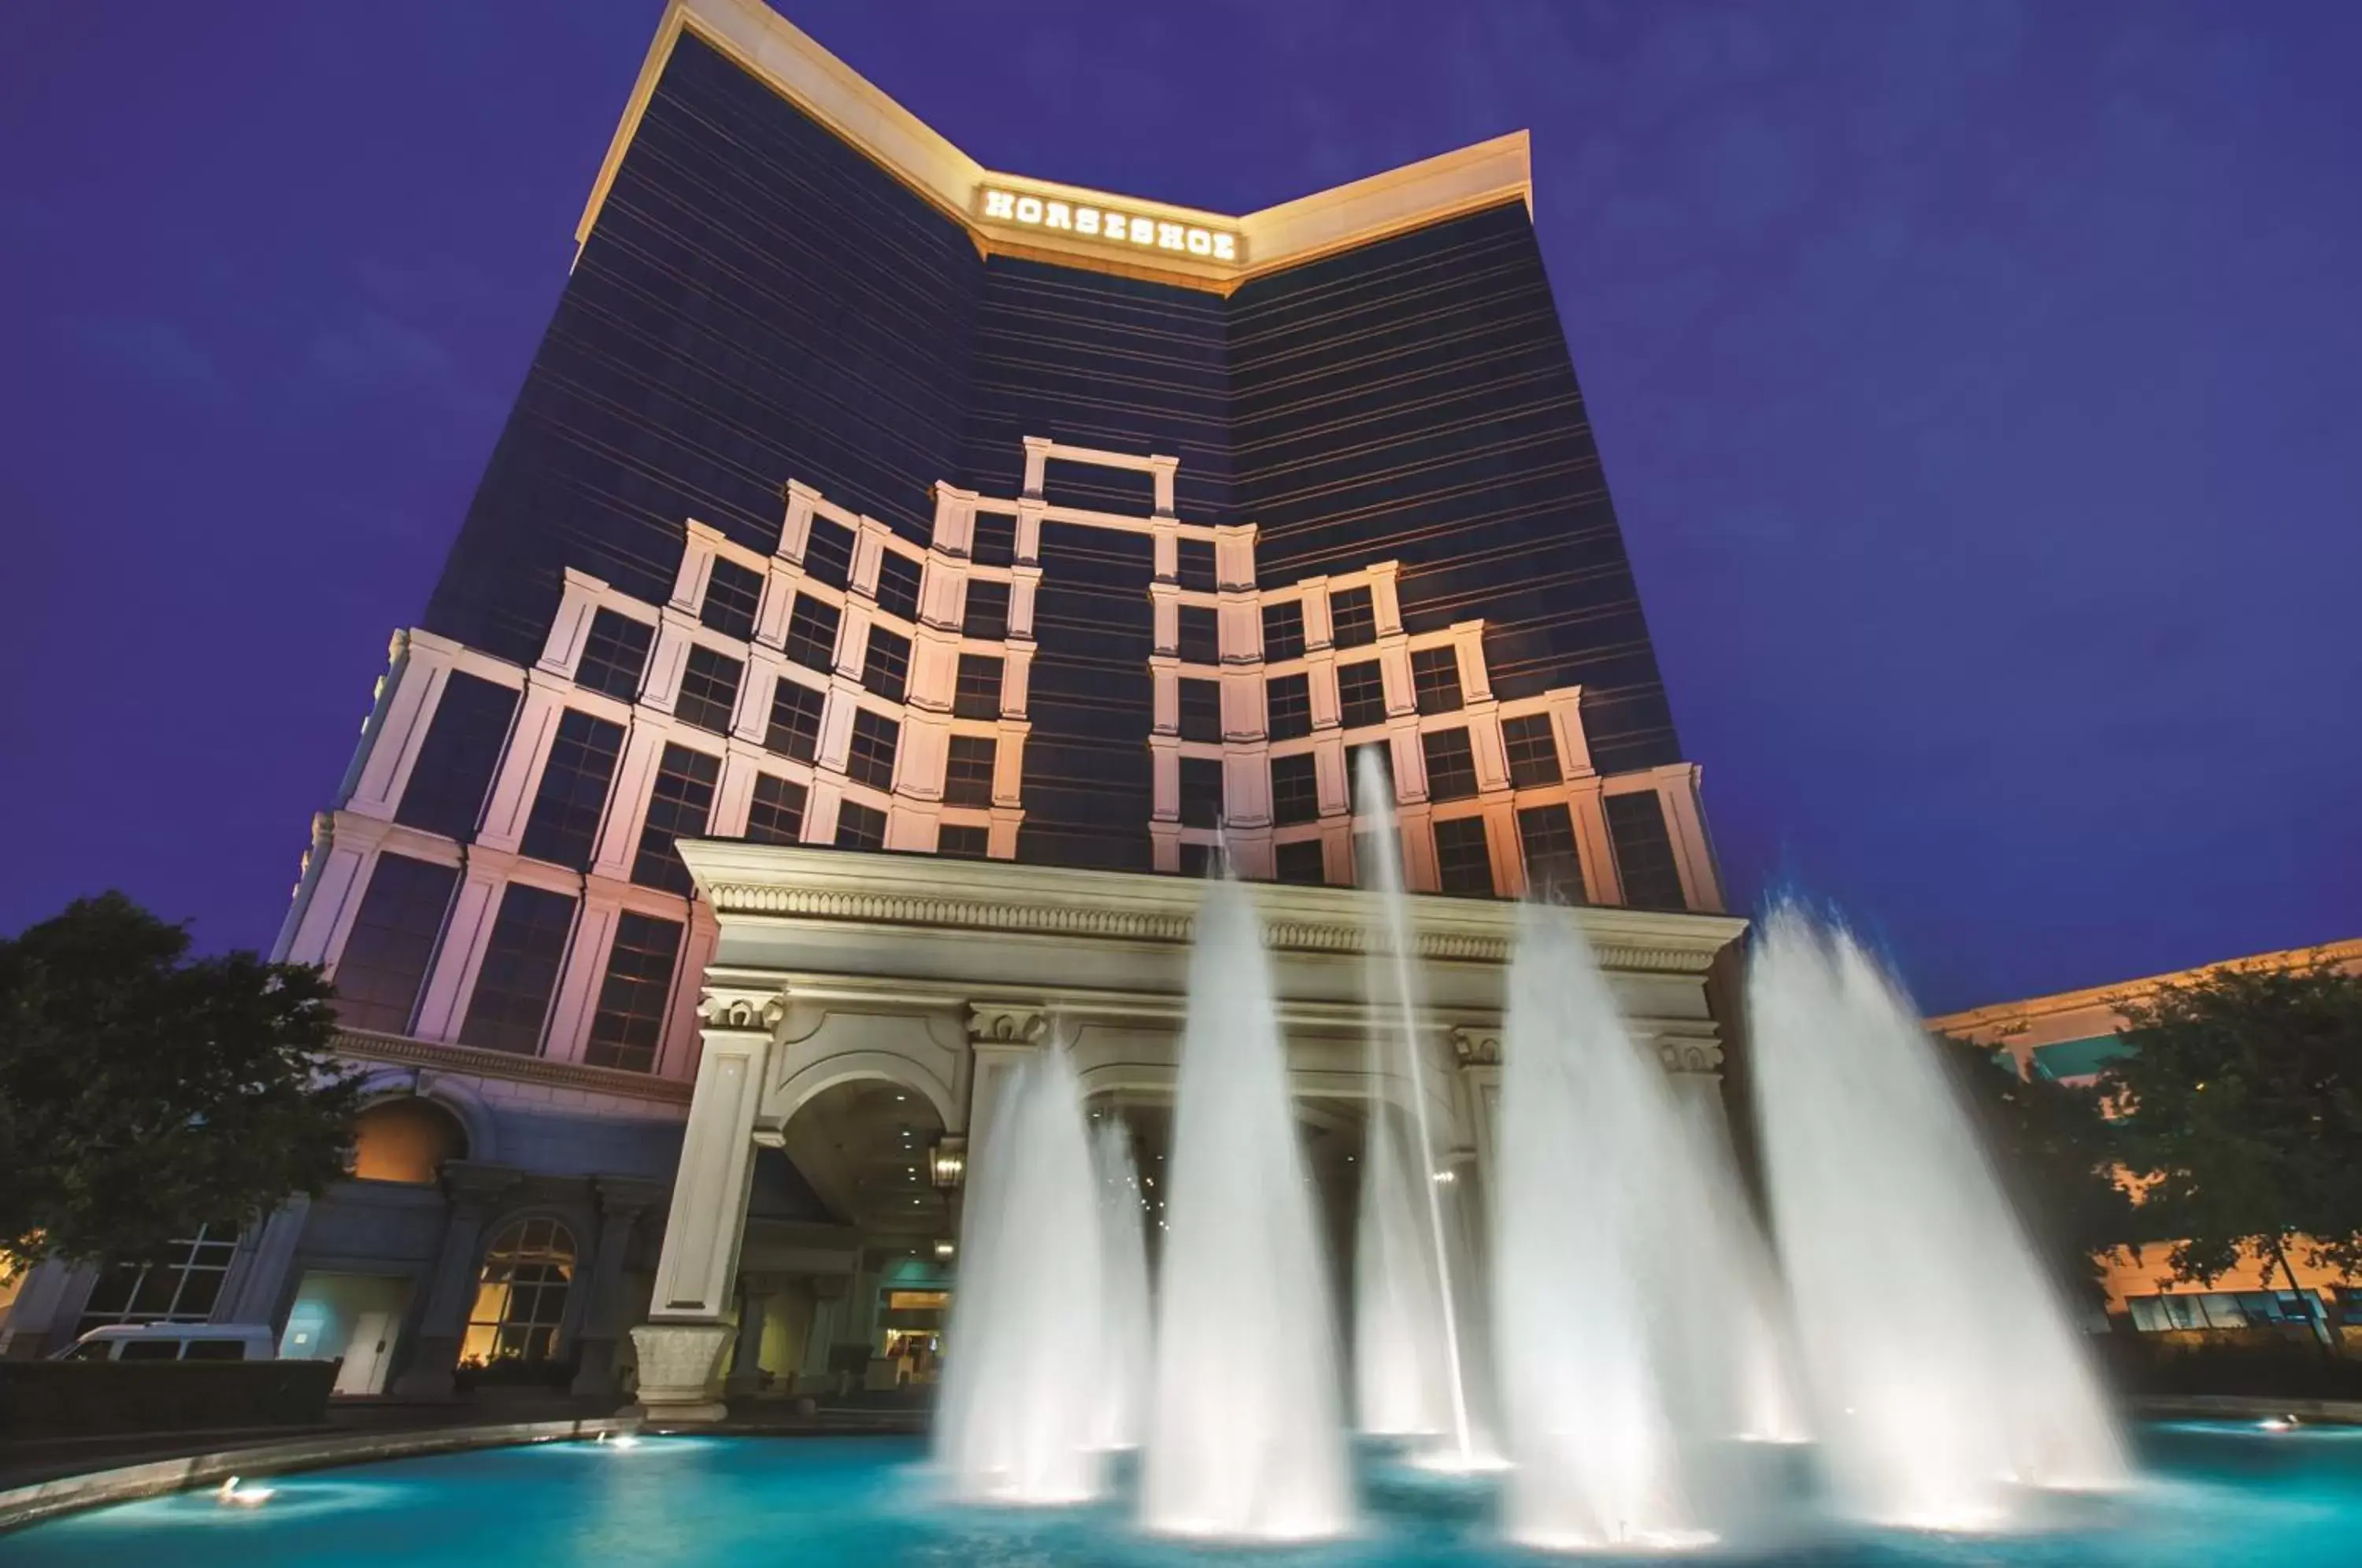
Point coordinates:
[[143, 1093], [2241, 1105], [2053, 1151]]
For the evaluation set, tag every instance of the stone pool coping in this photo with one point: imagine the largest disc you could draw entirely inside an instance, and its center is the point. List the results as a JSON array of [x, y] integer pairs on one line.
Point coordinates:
[[123, 1484], [42, 1500]]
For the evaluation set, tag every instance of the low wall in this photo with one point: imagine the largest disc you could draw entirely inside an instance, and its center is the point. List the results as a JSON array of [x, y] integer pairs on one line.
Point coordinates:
[[97, 1398]]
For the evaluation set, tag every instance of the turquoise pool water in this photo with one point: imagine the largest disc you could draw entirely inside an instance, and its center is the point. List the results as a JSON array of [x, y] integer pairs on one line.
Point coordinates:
[[2217, 1496]]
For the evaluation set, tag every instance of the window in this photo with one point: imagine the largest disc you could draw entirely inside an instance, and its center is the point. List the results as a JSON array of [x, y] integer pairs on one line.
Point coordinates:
[[1200, 635], [1288, 707], [828, 553], [994, 540], [963, 840], [859, 826], [968, 777], [1294, 789], [1369, 867], [795, 719], [1196, 860], [975, 693], [1644, 852], [811, 633], [520, 967], [1358, 759], [886, 668], [564, 826], [986, 615], [1463, 856], [775, 813], [385, 957], [1361, 694], [1194, 561], [211, 1350], [1201, 710], [445, 793], [1301, 862], [898, 585], [1533, 755], [180, 1287], [1450, 766], [1353, 618], [521, 1296], [615, 656], [1201, 791], [1283, 630], [629, 1025], [1435, 677], [708, 690], [679, 806], [733, 594], [1553, 865], [871, 760]]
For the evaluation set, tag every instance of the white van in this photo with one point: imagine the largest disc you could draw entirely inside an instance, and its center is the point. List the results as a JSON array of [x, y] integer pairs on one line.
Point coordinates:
[[174, 1342]]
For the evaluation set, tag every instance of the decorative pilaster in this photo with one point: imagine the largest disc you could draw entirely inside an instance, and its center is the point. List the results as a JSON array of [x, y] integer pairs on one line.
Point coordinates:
[[475, 1189], [621, 1201]]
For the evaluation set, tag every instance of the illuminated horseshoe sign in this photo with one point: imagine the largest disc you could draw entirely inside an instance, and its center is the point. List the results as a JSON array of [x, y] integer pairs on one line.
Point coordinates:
[[1106, 223]]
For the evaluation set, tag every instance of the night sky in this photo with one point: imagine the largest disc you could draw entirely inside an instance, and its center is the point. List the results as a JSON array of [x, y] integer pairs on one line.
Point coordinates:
[[1980, 389]]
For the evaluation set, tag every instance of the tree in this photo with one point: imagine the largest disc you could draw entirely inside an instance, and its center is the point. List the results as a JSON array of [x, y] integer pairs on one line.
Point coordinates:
[[2241, 1105], [2055, 1156], [144, 1093]]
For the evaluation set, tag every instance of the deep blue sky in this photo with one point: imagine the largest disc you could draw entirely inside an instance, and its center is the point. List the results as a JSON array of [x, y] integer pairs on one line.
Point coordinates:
[[1980, 387]]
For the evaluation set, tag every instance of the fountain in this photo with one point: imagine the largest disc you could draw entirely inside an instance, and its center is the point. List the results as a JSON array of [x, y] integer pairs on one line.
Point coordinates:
[[1945, 1374], [1125, 1340], [1596, 1229], [1409, 1364], [1244, 1436], [1022, 1413]]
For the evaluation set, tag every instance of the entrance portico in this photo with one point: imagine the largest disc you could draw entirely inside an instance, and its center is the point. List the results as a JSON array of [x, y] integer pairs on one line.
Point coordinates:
[[940, 977]]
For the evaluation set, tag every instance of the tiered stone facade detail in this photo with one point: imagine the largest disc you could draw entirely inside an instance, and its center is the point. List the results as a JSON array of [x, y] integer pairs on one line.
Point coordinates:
[[897, 620]]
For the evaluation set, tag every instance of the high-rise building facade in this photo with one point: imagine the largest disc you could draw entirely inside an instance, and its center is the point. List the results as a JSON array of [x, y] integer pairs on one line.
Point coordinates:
[[861, 496]]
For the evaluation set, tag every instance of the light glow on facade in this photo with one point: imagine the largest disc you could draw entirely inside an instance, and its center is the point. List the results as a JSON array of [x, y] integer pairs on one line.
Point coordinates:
[[1105, 223]]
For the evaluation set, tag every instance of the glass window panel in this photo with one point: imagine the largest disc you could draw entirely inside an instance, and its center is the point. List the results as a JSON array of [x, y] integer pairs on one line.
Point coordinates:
[[859, 826], [1464, 857], [628, 1026], [963, 840], [572, 796], [385, 956], [1301, 862], [886, 668], [1294, 789], [968, 775], [1195, 561], [828, 555], [994, 542], [1353, 618], [1201, 791], [871, 758], [975, 694], [1283, 630], [733, 594], [680, 804], [775, 813], [519, 970], [1553, 863], [1201, 710], [1288, 706], [811, 633], [709, 690], [986, 614], [1435, 678], [1200, 635], [454, 769], [1450, 764], [1644, 851], [1533, 754], [898, 585], [1361, 694], [615, 654], [795, 719]]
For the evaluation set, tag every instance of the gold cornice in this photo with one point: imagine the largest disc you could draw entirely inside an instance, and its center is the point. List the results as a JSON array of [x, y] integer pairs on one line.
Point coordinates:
[[774, 52]]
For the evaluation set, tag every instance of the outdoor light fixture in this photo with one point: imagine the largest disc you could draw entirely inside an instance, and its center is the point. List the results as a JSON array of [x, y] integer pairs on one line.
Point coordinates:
[[947, 1162]]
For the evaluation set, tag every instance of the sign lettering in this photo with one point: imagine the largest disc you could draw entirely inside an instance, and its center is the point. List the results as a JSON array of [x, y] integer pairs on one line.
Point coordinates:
[[1105, 223]]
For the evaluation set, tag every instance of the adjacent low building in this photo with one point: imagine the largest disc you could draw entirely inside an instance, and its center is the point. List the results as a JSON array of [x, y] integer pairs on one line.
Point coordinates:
[[2070, 1038]]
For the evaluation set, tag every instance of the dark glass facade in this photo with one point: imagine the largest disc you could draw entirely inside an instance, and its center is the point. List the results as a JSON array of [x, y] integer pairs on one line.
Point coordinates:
[[759, 302]]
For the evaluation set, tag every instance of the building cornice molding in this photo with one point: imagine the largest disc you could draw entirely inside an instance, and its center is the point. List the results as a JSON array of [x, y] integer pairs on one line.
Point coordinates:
[[793, 65], [2011, 1016], [750, 883], [365, 1046]]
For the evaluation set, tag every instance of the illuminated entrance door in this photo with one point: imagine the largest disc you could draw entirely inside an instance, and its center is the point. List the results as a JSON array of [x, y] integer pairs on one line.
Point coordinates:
[[353, 1317]]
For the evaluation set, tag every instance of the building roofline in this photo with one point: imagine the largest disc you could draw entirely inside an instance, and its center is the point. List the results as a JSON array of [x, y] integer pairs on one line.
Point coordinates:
[[783, 57], [2344, 954]]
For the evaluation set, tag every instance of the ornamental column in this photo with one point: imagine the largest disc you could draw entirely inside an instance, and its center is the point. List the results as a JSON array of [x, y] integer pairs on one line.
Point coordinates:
[[681, 1345], [475, 1189], [621, 1201]]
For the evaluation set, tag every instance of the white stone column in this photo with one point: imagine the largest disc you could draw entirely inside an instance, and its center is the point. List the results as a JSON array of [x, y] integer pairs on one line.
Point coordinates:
[[680, 1347]]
